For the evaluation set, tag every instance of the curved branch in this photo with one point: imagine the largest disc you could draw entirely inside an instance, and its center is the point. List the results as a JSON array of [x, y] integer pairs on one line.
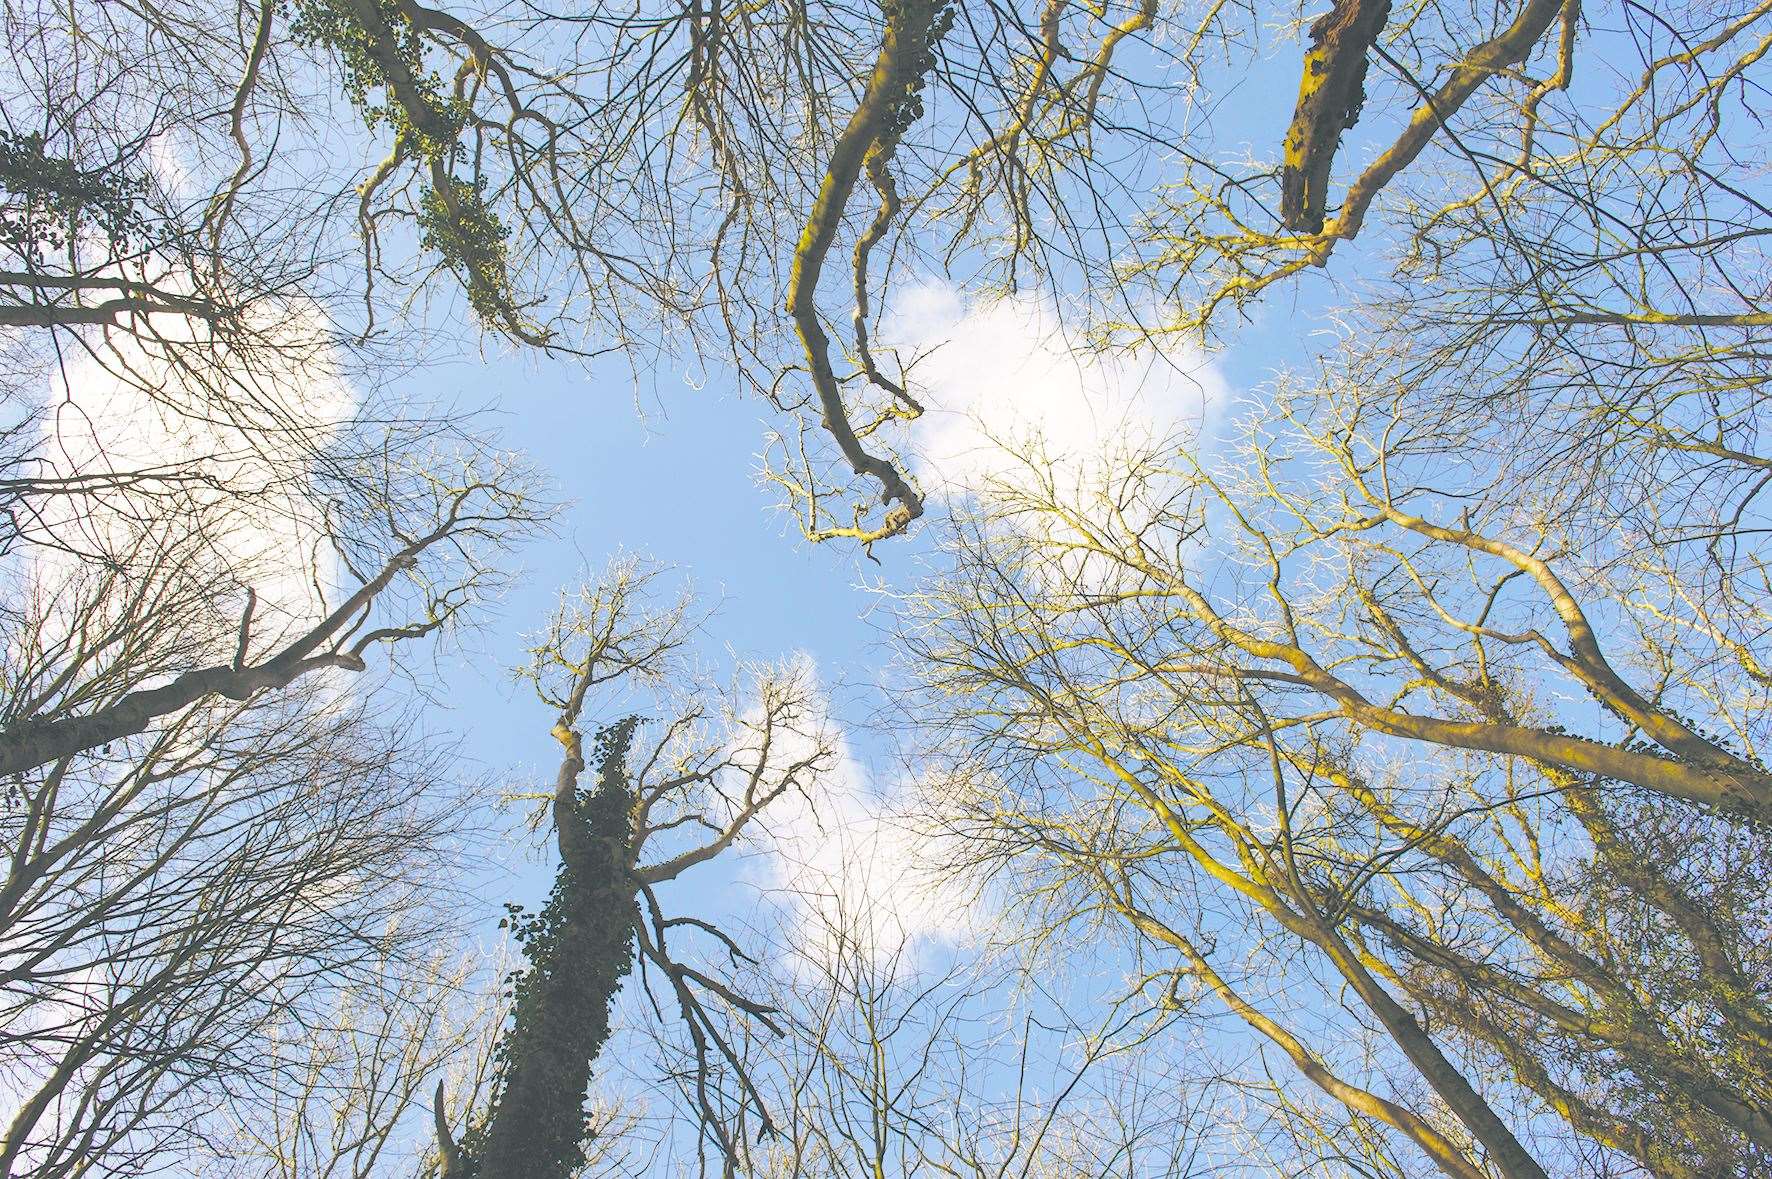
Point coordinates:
[[872, 131]]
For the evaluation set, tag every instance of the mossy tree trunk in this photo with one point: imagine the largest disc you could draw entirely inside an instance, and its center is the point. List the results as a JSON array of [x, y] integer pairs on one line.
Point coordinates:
[[580, 947]]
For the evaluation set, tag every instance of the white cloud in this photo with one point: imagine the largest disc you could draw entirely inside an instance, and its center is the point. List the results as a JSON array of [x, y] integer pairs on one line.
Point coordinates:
[[858, 878], [1009, 374], [230, 487], [1026, 423]]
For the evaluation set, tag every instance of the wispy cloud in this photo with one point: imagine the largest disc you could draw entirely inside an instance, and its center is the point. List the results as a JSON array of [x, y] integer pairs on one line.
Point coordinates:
[[857, 877], [217, 473]]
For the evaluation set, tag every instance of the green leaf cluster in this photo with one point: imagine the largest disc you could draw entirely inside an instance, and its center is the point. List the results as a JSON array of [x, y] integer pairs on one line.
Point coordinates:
[[50, 199], [364, 59], [920, 26], [471, 239]]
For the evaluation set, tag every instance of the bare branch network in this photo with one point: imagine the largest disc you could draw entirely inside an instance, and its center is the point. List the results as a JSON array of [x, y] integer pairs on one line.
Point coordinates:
[[1370, 782]]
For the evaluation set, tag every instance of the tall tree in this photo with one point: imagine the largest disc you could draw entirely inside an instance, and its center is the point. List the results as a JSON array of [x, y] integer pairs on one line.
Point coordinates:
[[1460, 757], [654, 812]]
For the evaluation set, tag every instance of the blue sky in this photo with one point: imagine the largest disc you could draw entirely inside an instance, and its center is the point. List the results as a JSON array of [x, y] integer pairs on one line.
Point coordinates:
[[660, 458], [672, 474], [667, 466]]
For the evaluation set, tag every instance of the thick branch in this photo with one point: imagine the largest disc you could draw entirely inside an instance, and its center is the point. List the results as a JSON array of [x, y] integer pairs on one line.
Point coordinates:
[[32, 743], [871, 128], [1329, 99]]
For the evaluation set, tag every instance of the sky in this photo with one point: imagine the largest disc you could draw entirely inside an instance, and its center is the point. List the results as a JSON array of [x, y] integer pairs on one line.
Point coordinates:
[[671, 478], [677, 483], [670, 471], [667, 467]]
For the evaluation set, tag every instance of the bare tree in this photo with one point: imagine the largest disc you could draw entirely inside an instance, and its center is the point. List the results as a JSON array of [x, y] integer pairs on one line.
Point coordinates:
[[657, 810], [1446, 667], [354, 1099], [582, 177], [897, 1059], [586, 178], [1459, 757], [170, 618], [175, 906], [213, 834]]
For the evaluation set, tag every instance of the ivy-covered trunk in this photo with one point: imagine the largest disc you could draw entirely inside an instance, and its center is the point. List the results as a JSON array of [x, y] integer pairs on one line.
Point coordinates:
[[579, 949]]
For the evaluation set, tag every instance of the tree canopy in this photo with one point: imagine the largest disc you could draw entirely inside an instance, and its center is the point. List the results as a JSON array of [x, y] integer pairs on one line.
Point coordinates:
[[1361, 776]]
